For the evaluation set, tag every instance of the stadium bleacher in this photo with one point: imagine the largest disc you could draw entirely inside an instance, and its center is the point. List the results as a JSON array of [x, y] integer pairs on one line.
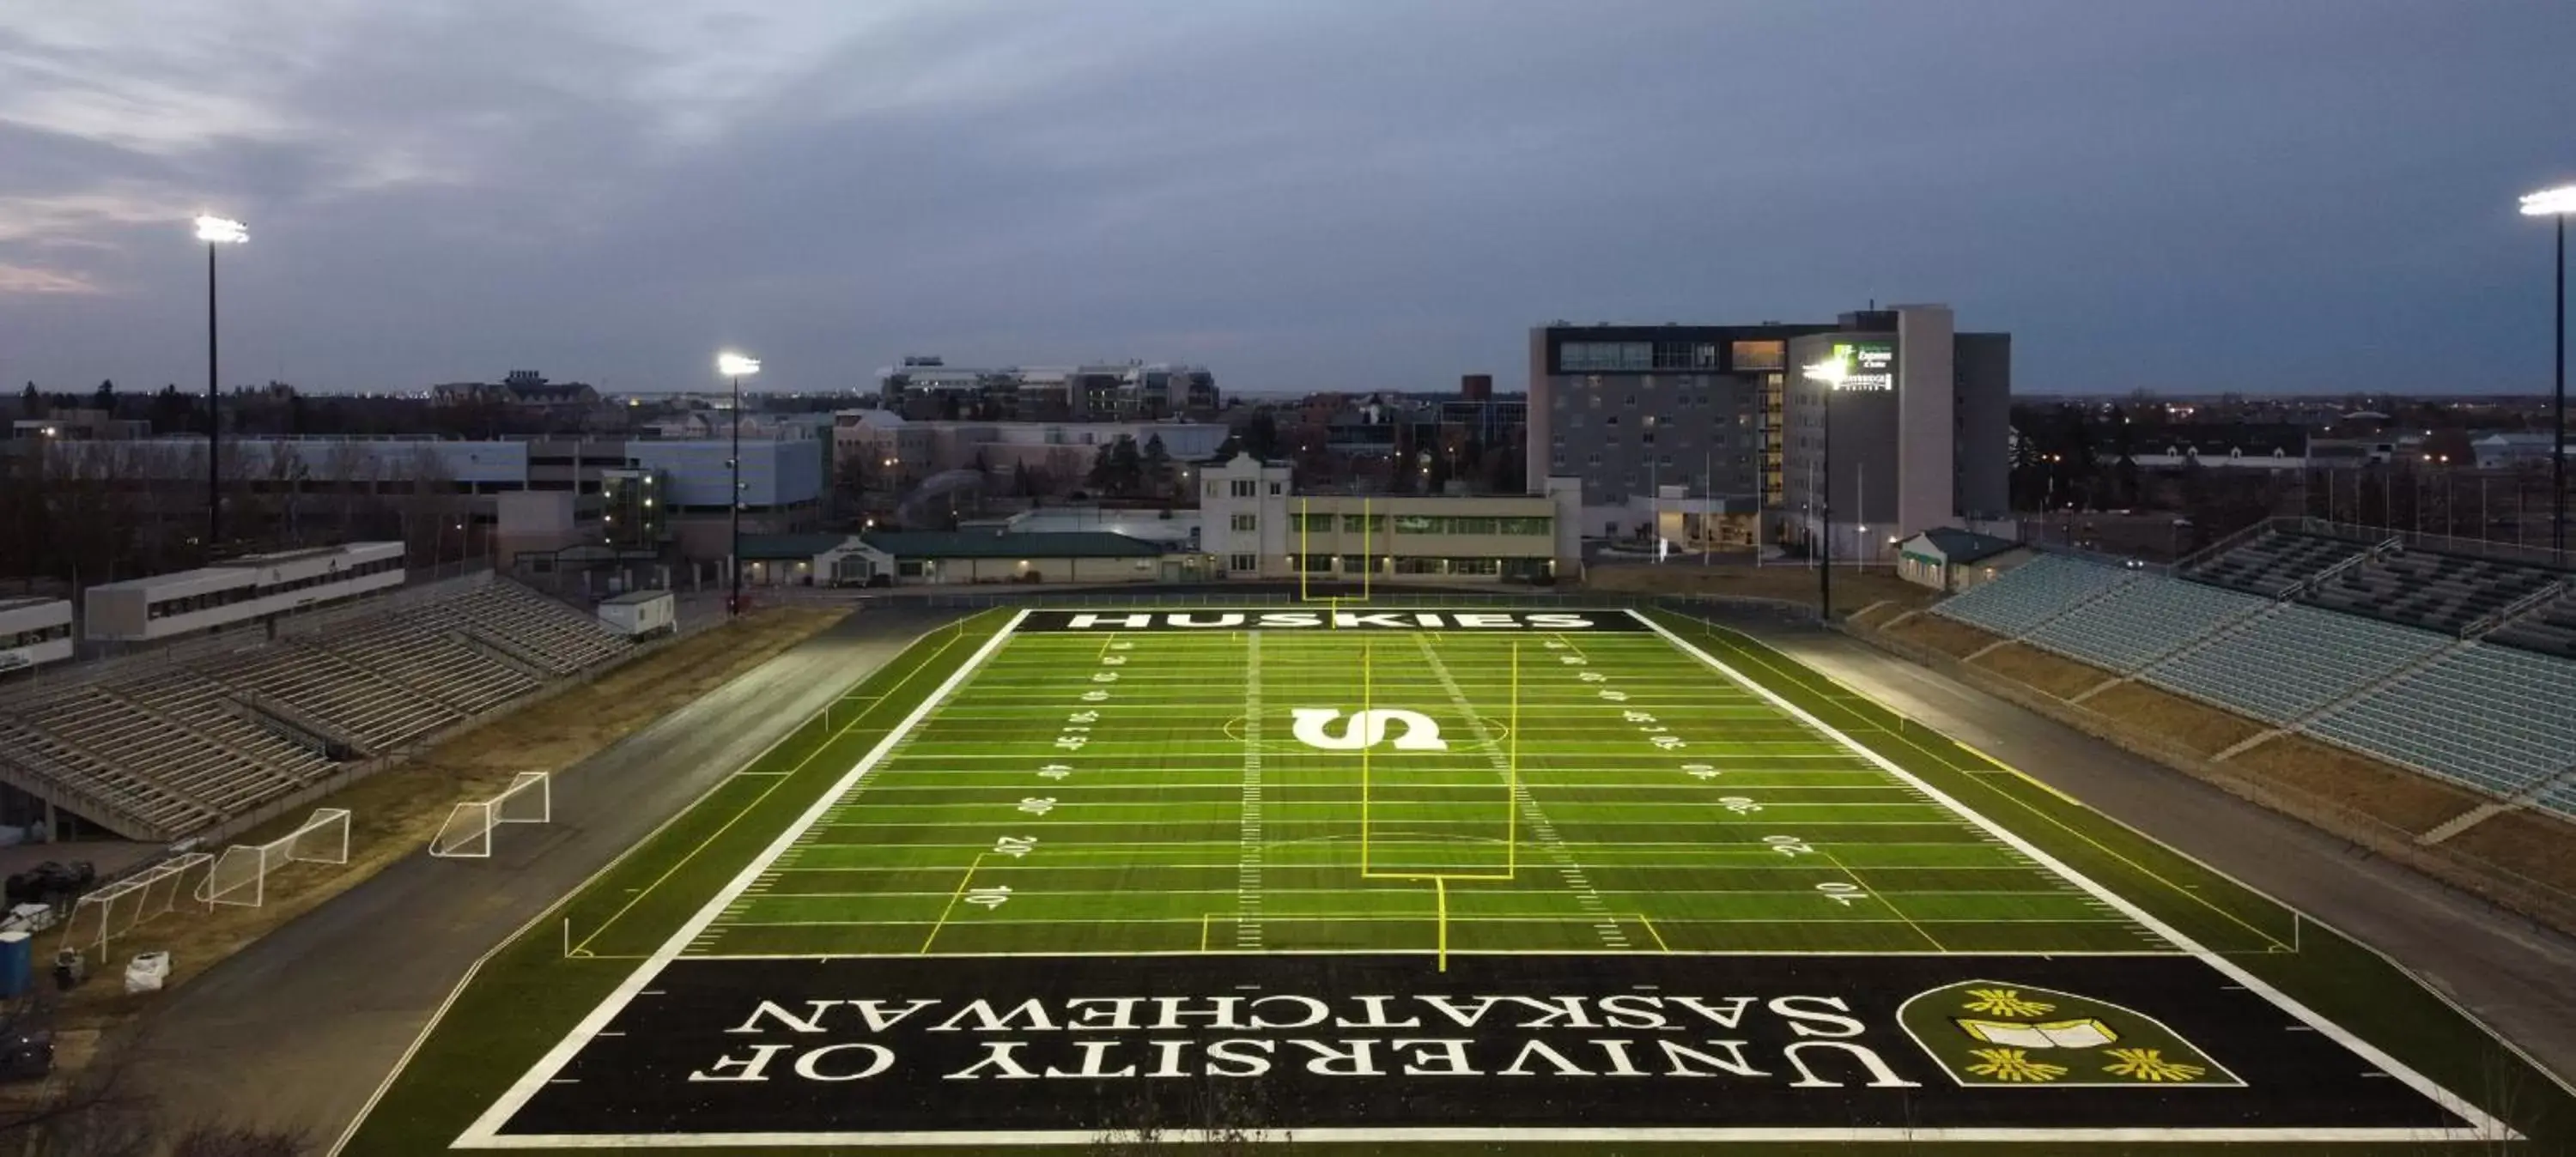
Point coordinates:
[[2284, 666], [2360, 643], [2036, 592], [2276, 562], [2549, 628], [2494, 718], [2443, 592], [2143, 621], [176, 747]]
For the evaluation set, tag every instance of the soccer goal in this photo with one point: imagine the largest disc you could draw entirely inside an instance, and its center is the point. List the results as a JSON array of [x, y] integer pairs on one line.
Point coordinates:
[[467, 834], [240, 875], [100, 917]]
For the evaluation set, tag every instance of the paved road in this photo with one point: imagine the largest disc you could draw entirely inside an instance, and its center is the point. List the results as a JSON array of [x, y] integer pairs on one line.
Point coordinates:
[[2513, 974], [297, 1030]]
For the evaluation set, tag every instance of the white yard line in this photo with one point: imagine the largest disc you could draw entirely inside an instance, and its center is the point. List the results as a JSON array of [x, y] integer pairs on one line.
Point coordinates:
[[1568, 871], [1247, 884]]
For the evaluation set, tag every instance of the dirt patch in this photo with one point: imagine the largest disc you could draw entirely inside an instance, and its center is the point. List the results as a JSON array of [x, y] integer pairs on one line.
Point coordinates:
[[394, 813], [2534, 845], [2203, 729], [2391, 795], [1853, 589], [1957, 640], [2064, 678]]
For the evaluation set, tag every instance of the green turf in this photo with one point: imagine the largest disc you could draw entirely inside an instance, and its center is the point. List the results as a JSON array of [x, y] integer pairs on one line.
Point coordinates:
[[1601, 792]]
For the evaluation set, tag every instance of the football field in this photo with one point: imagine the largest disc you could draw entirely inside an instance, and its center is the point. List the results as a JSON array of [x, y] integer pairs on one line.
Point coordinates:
[[1436, 876], [1189, 791]]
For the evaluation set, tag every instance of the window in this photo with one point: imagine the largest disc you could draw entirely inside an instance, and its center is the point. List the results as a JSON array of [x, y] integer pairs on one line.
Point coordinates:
[[1750, 356], [1311, 522], [1579, 356], [1274, 490], [1246, 488], [1242, 562], [1353, 524], [1247, 522]]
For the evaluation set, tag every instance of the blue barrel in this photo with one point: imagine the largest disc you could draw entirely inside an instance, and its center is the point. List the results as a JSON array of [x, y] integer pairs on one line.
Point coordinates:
[[17, 964]]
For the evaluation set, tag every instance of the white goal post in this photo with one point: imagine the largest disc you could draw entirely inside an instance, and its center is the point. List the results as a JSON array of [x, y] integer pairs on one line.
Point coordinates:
[[101, 916], [240, 875], [467, 834]]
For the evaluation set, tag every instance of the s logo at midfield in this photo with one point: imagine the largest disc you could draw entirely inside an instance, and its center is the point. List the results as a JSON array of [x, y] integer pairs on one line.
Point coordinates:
[[1366, 729]]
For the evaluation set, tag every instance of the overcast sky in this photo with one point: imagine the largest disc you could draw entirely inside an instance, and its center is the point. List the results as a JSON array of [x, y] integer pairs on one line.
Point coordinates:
[[2266, 195]]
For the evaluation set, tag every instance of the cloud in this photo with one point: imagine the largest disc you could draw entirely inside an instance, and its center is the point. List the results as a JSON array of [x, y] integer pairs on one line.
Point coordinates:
[[16, 279], [1331, 193]]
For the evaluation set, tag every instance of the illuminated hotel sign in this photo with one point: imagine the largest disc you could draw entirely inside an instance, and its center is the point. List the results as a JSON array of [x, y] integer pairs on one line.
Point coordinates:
[[1866, 365]]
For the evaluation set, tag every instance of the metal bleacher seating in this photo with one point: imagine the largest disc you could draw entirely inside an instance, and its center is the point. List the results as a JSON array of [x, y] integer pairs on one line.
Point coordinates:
[[373, 711], [171, 748], [2143, 621], [420, 651], [2444, 592], [2286, 665], [2549, 628], [2275, 561], [2031, 594], [2494, 718], [552, 635]]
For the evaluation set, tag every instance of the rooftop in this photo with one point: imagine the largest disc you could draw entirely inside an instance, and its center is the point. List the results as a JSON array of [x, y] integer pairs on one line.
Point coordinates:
[[1038, 544]]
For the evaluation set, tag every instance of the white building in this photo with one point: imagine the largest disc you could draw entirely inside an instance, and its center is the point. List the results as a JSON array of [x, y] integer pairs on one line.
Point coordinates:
[[243, 590], [1256, 528], [34, 632]]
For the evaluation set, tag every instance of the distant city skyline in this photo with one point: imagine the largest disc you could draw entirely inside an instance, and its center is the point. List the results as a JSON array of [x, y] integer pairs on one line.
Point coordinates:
[[2291, 197]]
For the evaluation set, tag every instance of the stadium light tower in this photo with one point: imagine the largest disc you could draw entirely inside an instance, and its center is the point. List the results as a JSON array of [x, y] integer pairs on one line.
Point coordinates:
[[735, 367], [1830, 374], [216, 232], [2557, 203]]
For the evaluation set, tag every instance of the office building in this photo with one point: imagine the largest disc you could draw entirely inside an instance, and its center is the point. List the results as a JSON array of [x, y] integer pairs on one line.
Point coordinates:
[[1921, 429], [928, 387], [1631, 408], [1725, 414]]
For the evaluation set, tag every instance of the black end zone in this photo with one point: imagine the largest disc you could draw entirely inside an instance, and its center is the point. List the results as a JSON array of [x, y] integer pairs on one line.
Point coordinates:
[[1080, 1045], [1320, 619]]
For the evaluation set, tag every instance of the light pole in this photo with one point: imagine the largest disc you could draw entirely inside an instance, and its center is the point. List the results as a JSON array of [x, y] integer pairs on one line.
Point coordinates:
[[215, 232], [736, 367], [2557, 203], [1829, 374]]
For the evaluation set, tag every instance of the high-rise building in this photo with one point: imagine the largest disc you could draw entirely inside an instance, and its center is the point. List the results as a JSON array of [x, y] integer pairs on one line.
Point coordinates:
[[1717, 411], [1632, 408], [1921, 427]]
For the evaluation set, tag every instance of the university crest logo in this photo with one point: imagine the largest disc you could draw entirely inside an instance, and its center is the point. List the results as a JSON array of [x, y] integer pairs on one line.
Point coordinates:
[[1989, 1033]]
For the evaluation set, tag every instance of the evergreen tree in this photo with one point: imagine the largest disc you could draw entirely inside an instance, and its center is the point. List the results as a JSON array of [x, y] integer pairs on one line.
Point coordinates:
[[1126, 466], [1261, 435], [31, 404], [1156, 465], [104, 398]]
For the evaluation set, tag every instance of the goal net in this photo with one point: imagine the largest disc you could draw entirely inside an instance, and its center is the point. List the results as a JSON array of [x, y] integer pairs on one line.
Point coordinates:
[[240, 875], [467, 834], [101, 916]]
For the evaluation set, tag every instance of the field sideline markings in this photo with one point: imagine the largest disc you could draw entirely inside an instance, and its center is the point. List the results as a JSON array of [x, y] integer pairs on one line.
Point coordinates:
[[484, 1131], [781, 781], [2276, 944], [2483, 1126]]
